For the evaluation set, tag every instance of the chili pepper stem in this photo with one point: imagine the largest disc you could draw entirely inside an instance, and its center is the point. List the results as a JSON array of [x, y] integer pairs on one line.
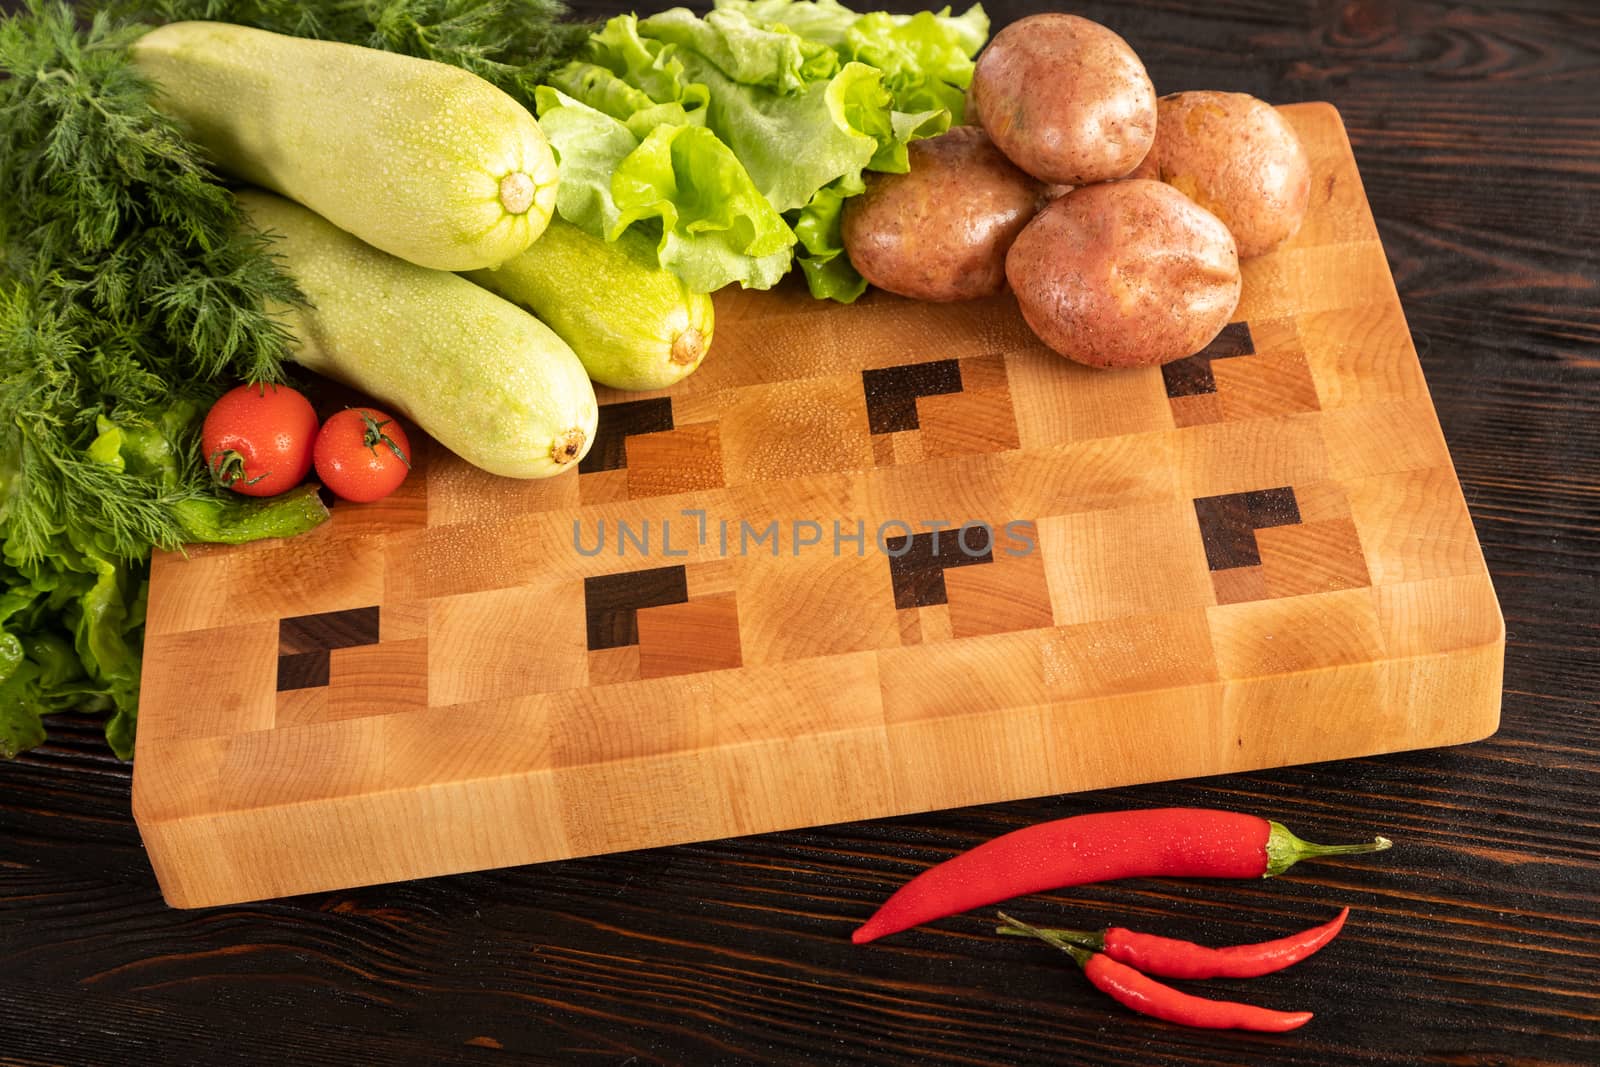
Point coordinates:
[[1140, 993], [1093, 940], [1284, 849], [1017, 926]]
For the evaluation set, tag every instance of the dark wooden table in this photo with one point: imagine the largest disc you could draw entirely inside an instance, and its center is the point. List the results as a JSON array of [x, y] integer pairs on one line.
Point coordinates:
[[1474, 941]]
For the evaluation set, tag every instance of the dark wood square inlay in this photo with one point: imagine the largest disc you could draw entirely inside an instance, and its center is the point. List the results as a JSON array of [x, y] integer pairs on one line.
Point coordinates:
[[303, 670], [1228, 524], [918, 572], [304, 642], [892, 392], [327, 630], [1192, 376], [611, 602], [618, 422]]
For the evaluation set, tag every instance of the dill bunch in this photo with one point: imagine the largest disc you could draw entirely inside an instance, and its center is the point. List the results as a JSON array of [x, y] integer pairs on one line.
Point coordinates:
[[127, 279], [129, 289], [513, 44]]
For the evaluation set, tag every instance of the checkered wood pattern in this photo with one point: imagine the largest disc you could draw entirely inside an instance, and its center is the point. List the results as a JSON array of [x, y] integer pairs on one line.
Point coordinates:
[[1256, 556]]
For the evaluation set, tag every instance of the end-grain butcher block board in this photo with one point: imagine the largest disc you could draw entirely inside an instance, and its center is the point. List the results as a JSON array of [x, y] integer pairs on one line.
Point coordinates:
[[732, 617]]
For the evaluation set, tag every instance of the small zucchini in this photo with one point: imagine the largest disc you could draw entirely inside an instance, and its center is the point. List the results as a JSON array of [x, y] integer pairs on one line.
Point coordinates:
[[423, 160], [633, 324], [486, 379]]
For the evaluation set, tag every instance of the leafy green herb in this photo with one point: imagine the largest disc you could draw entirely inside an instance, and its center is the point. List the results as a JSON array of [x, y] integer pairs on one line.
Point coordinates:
[[513, 44], [128, 286], [128, 278]]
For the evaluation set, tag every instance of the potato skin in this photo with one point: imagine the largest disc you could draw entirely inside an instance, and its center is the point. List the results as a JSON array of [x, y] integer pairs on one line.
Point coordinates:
[[1238, 158], [941, 231], [1125, 274], [1065, 98]]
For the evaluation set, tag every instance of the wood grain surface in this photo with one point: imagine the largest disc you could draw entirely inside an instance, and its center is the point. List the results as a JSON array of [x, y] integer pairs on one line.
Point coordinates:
[[1472, 942]]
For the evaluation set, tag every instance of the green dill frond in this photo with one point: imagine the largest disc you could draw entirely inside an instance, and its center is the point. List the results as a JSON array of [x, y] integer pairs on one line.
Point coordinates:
[[128, 275]]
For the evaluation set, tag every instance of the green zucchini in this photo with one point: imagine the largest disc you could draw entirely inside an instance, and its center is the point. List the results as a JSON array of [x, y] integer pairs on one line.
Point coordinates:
[[423, 160], [486, 379], [633, 324]]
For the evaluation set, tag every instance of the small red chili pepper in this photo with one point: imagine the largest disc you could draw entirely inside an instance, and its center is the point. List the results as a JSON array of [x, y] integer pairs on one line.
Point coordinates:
[[1181, 842], [1149, 997], [1172, 958]]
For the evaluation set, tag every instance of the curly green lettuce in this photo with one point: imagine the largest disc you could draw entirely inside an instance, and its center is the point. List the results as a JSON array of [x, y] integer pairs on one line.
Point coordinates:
[[72, 611], [926, 58], [678, 183], [734, 140]]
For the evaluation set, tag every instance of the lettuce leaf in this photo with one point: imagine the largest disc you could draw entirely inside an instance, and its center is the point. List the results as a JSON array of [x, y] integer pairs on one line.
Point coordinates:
[[646, 65], [823, 21], [791, 140], [72, 617], [746, 52], [926, 58], [733, 140], [683, 186], [70, 629], [794, 145], [21, 711], [829, 273], [589, 145], [603, 90]]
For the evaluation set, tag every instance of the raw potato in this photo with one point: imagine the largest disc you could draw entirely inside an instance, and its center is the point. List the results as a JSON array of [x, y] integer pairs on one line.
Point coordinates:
[[1125, 274], [1238, 158], [1066, 99], [941, 231]]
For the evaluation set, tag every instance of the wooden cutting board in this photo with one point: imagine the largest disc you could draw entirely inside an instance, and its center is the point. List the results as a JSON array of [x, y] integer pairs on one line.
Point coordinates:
[[1254, 557]]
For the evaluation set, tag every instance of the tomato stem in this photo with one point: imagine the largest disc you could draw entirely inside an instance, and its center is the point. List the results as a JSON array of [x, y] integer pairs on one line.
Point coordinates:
[[373, 435], [227, 469]]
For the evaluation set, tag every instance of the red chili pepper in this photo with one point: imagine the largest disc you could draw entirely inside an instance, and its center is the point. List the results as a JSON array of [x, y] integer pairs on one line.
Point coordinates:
[[1149, 997], [1181, 842], [1172, 958]]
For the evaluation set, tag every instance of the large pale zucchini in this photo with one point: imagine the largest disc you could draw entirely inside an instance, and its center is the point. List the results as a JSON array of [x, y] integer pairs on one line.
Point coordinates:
[[483, 377], [633, 324], [420, 159]]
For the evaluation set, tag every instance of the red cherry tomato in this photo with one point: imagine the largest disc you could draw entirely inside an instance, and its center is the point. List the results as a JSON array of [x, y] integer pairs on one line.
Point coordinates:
[[257, 439], [362, 454]]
